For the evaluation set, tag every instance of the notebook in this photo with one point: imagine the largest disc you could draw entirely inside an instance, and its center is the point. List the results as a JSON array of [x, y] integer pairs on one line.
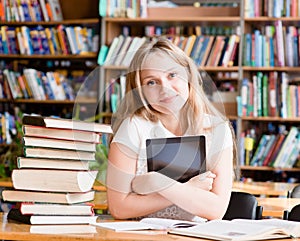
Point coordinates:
[[179, 158]]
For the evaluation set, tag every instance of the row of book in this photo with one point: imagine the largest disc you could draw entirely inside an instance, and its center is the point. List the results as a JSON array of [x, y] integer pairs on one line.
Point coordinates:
[[153, 30], [34, 84], [52, 183], [30, 10], [49, 40], [123, 9], [275, 150], [275, 94], [272, 8], [276, 45], [203, 49]]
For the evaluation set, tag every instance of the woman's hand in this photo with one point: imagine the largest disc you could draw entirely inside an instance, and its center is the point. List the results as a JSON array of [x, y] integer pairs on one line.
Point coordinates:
[[203, 181], [150, 182]]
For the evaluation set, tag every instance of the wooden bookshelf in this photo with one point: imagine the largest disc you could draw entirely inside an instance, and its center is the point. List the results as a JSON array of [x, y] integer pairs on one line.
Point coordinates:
[[259, 20], [210, 16], [75, 14]]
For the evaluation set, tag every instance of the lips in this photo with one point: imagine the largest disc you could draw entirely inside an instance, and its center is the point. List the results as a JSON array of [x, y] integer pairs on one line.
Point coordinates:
[[168, 99]]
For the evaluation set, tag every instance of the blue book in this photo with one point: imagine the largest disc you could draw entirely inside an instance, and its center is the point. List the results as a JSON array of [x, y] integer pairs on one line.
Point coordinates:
[[248, 50], [102, 8], [102, 54], [202, 51], [272, 57]]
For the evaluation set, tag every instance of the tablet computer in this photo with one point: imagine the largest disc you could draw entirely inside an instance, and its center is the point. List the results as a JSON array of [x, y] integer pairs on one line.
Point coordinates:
[[179, 158]]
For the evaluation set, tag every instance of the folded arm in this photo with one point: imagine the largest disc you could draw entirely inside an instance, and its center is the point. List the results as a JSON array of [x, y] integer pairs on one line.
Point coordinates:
[[194, 196]]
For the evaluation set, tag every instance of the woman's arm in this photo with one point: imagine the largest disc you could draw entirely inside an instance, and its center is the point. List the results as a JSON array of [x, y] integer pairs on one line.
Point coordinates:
[[122, 202], [208, 204]]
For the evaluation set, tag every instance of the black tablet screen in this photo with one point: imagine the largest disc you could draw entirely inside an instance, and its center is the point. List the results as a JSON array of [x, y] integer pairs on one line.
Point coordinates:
[[179, 158]]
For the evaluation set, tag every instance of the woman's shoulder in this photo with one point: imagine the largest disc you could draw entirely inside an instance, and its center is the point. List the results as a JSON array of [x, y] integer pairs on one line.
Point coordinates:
[[136, 120], [213, 121]]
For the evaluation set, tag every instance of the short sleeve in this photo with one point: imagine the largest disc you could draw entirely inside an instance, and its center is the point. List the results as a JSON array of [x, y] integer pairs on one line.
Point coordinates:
[[128, 135]]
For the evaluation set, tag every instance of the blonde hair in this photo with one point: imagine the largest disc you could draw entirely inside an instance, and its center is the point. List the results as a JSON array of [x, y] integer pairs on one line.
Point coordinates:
[[134, 102]]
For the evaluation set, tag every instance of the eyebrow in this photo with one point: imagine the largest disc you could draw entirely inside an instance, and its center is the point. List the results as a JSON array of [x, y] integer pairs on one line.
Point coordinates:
[[165, 71]]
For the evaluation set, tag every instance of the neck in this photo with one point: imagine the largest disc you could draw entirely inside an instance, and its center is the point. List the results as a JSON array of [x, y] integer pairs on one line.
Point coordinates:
[[173, 124]]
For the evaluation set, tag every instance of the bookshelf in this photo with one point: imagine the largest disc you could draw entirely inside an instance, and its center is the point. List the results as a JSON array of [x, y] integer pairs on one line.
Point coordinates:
[[187, 20], [274, 27], [78, 96], [72, 65], [210, 19]]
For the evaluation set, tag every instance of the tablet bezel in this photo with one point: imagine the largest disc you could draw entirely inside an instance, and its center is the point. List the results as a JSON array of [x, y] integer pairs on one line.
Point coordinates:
[[150, 143]]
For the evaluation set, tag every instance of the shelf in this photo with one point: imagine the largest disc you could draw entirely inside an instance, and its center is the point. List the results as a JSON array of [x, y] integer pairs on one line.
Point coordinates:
[[265, 168], [206, 68], [51, 23], [270, 119], [62, 102], [265, 19], [69, 56], [286, 69], [171, 18]]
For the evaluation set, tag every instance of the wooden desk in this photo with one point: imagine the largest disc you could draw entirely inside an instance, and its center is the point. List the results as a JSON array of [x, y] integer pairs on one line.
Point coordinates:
[[275, 206], [264, 188], [16, 231]]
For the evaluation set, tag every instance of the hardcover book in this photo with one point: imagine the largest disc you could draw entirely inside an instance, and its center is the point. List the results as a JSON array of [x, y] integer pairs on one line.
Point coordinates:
[[62, 123], [46, 163], [15, 214], [53, 180], [47, 197], [56, 209], [58, 144], [58, 154]]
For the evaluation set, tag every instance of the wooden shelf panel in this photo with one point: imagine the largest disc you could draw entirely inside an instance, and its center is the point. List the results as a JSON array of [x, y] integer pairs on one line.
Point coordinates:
[[56, 102], [270, 119], [287, 69], [206, 68], [51, 23], [69, 56], [171, 18], [265, 168]]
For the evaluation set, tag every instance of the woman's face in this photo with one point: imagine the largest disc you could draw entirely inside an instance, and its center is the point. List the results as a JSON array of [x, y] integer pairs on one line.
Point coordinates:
[[164, 83]]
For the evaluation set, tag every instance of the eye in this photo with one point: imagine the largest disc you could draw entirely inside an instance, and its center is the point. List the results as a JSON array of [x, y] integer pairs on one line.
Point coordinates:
[[151, 82], [172, 75]]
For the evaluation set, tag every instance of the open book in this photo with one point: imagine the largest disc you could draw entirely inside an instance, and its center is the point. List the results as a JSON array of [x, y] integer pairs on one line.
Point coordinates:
[[146, 224], [242, 229]]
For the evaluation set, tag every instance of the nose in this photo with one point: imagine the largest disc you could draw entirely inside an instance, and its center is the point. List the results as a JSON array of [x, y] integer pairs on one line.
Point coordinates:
[[165, 85]]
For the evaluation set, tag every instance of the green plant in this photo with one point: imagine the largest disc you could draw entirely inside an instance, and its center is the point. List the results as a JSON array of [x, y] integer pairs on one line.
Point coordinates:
[[101, 163], [10, 152]]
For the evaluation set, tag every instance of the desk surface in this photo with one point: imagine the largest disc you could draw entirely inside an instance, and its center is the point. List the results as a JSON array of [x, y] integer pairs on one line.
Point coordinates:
[[275, 206], [264, 188], [16, 231]]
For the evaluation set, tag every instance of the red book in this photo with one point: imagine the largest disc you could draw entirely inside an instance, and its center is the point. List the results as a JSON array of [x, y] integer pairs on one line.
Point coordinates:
[[276, 149], [273, 94], [268, 156]]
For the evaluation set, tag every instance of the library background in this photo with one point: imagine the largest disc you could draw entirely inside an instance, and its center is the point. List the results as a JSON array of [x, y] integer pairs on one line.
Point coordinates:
[[68, 58]]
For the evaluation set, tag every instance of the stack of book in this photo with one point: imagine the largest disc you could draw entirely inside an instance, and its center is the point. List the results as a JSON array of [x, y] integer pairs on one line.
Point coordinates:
[[53, 182]]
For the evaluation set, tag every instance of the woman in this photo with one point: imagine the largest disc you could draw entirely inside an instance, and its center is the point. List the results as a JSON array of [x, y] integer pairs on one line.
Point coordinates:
[[165, 98]]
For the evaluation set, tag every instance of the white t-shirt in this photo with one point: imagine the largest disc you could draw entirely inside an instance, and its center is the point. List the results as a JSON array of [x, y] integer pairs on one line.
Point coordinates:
[[134, 131]]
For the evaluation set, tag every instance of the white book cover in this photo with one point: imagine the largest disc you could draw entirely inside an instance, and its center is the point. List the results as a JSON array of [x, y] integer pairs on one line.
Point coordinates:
[[242, 229], [56, 10]]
